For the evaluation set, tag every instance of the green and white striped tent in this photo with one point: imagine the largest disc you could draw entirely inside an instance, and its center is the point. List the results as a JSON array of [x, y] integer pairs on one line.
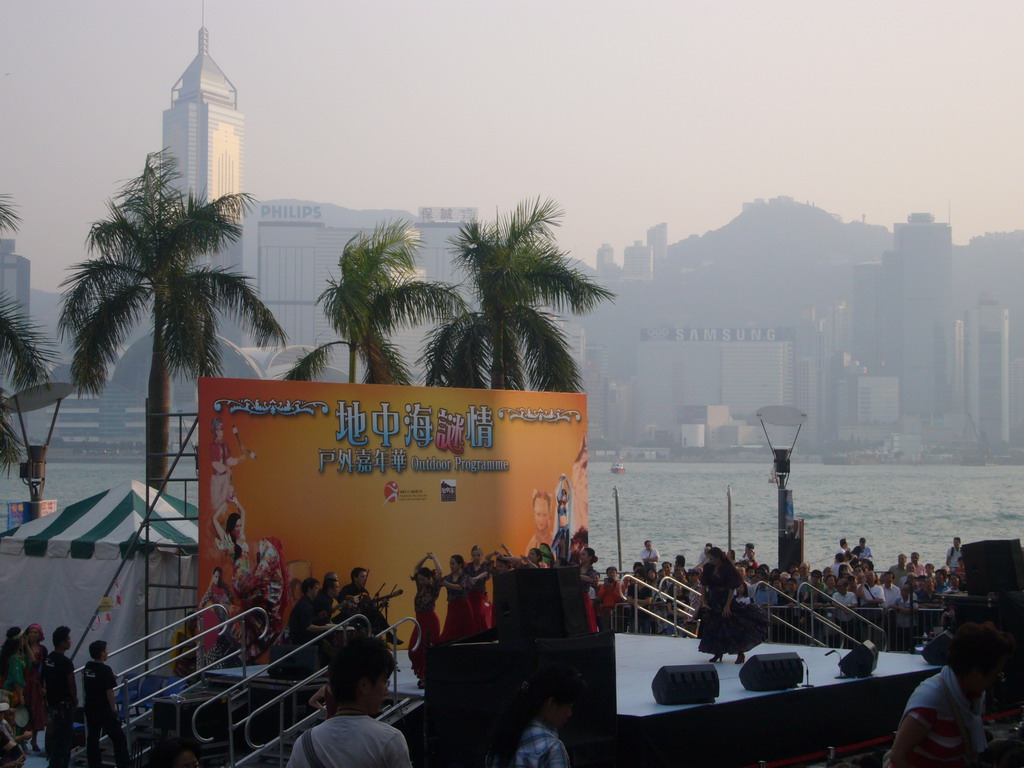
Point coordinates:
[[103, 526], [54, 570]]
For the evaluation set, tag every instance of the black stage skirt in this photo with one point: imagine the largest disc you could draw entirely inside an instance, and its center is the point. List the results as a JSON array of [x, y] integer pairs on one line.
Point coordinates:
[[746, 628]]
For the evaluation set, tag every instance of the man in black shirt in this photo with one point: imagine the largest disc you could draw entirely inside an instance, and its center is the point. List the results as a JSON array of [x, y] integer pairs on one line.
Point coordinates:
[[61, 698], [355, 599], [302, 624], [323, 605], [101, 710]]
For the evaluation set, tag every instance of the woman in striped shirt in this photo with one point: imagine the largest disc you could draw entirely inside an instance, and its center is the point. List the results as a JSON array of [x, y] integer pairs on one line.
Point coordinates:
[[941, 723]]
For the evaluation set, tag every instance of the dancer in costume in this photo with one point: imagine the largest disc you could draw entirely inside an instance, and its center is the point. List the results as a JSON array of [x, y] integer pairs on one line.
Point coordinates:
[[727, 626]]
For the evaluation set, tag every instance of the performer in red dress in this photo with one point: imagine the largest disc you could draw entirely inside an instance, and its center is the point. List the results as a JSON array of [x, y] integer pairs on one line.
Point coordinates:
[[459, 621], [479, 573], [428, 588]]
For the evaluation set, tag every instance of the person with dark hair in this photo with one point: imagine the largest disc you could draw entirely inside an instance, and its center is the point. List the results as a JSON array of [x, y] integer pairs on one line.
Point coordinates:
[[428, 589], [941, 723], [353, 738], [356, 599], [478, 573], [323, 605], [175, 752], [526, 733], [459, 621], [589, 581], [302, 624], [101, 716], [727, 627], [61, 699]]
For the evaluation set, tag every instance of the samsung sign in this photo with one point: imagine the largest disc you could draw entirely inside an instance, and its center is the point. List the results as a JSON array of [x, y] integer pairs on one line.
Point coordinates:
[[290, 212], [716, 334]]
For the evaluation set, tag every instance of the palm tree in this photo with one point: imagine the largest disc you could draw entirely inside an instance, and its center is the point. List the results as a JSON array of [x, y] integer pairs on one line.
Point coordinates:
[[25, 355], [515, 270], [375, 295], [148, 266]]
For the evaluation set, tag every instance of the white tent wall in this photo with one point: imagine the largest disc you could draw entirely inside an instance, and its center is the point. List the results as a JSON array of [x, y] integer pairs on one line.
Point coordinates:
[[51, 591]]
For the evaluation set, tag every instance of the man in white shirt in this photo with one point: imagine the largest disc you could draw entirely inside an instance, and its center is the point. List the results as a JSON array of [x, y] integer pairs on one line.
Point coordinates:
[[649, 554], [353, 738], [890, 592], [953, 554], [870, 593]]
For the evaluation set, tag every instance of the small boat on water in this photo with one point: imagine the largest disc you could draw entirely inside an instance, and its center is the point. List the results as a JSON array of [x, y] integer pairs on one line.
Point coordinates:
[[618, 468]]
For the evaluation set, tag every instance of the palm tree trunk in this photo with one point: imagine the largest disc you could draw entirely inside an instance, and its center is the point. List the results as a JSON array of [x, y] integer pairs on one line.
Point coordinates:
[[498, 352], [159, 401], [351, 363]]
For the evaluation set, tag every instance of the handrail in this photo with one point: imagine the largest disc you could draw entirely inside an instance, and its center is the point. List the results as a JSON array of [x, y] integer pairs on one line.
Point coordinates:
[[188, 618], [246, 681], [676, 582], [813, 614], [816, 593], [165, 651], [687, 609], [779, 620], [247, 721]]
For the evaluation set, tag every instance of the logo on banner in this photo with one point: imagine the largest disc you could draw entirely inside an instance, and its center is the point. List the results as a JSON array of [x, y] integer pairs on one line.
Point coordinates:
[[447, 490], [390, 492]]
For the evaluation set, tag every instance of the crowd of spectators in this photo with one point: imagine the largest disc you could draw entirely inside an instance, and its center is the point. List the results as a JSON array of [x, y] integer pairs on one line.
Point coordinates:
[[846, 597]]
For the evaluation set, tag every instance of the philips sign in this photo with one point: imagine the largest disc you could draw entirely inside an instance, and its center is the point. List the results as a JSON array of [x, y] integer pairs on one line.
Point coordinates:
[[300, 212]]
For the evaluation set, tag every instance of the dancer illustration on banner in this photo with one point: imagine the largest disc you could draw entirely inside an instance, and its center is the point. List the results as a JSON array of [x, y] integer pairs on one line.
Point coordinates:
[[264, 586], [541, 520], [563, 535]]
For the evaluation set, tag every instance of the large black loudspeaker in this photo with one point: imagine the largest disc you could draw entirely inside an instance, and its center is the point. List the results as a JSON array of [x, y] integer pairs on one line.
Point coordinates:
[[686, 684], [861, 661], [539, 603], [996, 565], [298, 667], [771, 672], [935, 652]]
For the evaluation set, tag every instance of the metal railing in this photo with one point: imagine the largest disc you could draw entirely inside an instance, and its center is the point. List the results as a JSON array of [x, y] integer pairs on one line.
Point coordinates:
[[873, 632], [228, 694], [666, 598], [777, 618], [279, 700]]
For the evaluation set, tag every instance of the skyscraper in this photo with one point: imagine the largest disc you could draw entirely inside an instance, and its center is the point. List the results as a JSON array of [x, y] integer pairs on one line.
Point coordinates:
[[205, 132], [987, 369], [920, 279]]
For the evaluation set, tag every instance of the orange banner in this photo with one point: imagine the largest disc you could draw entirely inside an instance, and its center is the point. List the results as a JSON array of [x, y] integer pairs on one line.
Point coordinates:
[[300, 478]]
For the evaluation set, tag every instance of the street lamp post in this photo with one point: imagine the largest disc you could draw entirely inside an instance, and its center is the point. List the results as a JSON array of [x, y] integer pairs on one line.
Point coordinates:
[[791, 539]]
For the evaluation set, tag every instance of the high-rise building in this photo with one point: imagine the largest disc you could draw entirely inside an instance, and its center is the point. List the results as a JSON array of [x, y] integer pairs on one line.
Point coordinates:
[[606, 266], [205, 132], [657, 241], [920, 275], [637, 262], [15, 275], [987, 369]]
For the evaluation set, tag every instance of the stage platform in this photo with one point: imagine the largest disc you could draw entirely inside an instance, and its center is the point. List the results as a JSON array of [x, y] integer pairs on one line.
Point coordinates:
[[741, 728]]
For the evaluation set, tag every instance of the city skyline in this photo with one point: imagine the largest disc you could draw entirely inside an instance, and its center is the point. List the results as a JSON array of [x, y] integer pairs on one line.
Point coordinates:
[[858, 111]]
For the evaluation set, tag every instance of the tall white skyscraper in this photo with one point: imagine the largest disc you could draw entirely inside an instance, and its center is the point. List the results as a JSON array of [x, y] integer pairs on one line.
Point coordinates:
[[987, 369], [205, 132]]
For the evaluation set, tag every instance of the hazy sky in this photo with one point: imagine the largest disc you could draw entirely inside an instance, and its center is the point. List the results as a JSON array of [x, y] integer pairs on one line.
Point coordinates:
[[628, 113]]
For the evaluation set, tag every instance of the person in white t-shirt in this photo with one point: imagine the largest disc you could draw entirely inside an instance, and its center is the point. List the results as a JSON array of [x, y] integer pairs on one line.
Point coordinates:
[[865, 550], [954, 553], [353, 738], [649, 554]]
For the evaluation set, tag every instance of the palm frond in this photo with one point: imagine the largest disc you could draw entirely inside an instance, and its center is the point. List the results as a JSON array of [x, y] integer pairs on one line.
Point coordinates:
[[547, 355], [10, 442], [233, 294], [25, 353], [311, 366], [458, 353], [383, 362], [9, 218]]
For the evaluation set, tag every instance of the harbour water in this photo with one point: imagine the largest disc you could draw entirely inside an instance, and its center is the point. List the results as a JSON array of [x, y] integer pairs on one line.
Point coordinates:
[[682, 506]]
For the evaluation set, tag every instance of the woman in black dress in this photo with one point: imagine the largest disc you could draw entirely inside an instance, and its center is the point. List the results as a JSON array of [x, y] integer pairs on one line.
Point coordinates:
[[727, 626]]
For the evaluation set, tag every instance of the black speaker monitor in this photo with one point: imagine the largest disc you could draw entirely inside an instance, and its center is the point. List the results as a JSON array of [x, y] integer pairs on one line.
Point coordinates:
[[935, 652], [994, 565], [686, 684], [861, 661], [297, 667], [539, 603], [771, 672]]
